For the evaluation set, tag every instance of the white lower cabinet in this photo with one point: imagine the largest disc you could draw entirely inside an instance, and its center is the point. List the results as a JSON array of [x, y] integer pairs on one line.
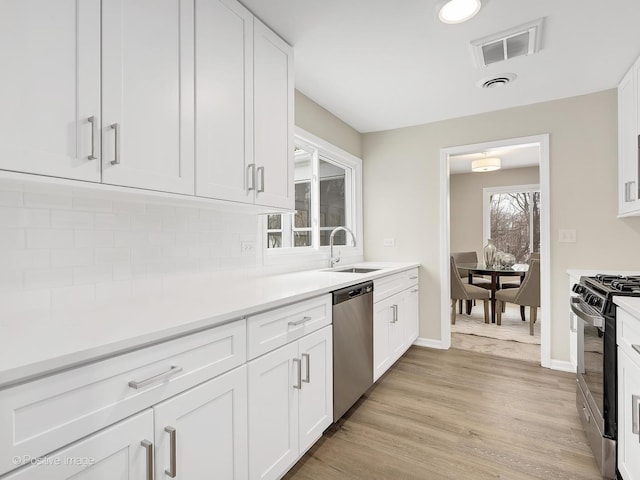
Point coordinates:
[[124, 450], [628, 417], [203, 431], [290, 402]]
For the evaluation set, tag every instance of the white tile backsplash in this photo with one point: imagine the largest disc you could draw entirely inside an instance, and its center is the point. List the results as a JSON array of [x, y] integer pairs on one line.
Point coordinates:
[[59, 247]]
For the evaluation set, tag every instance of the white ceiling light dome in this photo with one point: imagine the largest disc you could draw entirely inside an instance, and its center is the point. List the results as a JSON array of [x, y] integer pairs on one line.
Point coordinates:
[[458, 11], [486, 164]]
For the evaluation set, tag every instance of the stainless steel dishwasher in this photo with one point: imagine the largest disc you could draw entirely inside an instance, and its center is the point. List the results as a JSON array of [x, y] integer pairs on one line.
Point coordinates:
[[352, 345]]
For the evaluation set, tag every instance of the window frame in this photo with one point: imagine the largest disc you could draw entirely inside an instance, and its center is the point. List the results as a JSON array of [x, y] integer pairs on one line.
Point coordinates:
[[325, 151], [487, 192]]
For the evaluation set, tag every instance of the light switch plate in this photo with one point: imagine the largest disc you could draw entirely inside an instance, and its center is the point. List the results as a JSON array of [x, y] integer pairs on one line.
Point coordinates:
[[567, 235], [389, 242]]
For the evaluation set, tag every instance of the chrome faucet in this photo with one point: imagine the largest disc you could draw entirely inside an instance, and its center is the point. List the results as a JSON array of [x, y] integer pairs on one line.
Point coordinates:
[[333, 260]]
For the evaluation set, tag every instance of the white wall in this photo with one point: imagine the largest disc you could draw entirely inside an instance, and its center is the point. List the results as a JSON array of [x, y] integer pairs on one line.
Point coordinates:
[[402, 198]]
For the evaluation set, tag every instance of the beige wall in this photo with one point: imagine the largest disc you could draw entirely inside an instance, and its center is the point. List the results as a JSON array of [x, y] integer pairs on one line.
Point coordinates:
[[316, 120], [402, 195], [466, 194]]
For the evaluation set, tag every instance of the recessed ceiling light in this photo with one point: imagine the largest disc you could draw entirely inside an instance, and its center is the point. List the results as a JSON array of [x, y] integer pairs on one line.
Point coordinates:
[[458, 11]]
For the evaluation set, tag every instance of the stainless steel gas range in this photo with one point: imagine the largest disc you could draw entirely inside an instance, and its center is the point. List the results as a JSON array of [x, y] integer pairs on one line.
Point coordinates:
[[596, 398]]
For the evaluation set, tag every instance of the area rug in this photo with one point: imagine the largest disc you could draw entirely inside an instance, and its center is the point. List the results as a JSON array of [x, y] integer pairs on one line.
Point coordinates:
[[512, 328]]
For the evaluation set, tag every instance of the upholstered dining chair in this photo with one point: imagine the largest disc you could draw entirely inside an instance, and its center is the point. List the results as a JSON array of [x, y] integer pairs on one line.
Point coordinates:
[[469, 257], [528, 294], [462, 291]]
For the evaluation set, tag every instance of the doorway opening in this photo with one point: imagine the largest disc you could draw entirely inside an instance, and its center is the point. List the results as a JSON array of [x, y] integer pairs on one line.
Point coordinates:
[[511, 205]]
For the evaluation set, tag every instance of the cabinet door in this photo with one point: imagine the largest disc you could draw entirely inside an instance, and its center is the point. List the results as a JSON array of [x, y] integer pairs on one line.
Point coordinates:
[[382, 323], [210, 423], [116, 452], [273, 118], [147, 94], [224, 104], [273, 412], [412, 316], [50, 87], [628, 415], [397, 327], [316, 395], [627, 144]]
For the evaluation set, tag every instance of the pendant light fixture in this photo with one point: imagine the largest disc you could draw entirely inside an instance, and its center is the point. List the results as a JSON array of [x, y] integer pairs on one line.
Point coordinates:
[[486, 164], [458, 11]]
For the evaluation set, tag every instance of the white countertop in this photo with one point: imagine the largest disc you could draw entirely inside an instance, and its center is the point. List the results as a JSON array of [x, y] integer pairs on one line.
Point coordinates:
[[577, 272], [629, 304], [41, 342]]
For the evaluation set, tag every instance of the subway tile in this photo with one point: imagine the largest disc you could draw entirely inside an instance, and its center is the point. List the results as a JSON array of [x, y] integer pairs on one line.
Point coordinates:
[[146, 222], [23, 259], [174, 223], [10, 198], [93, 238], [24, 217], [161, 238], [113, 291], [146, 286], [163, 267], [49, 238], [10, 280], [47, 278], [129, 271], [114, 221], [142, 255], [130, 239], [75, 295], [90, 204], [71, 219], [59, 200], [92, 274], [72, 257], [12, 238], [128, 207], [114, 255], [24, 301], [163, 210], [187, 238]]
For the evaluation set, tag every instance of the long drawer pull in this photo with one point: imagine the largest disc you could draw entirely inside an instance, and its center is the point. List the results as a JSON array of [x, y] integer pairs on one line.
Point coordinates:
[[394, 309], [299, 322], [94, 125], [307, 357], [298, 362], [116, 152], [635, 414], [171, 471], [636, 348], [149, 448], [156, 378], [251, 177], [260, 173]]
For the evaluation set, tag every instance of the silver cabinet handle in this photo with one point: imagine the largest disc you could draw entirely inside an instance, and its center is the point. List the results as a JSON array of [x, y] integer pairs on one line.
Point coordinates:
[[627, 191], [94, 126], [251, 177], [149, 448], [260, 171], [308, 369], [171, 471], [635, 414], [156, 378], [413, 278], [116, 153], [394, 308], [299, 322], [636, 348], [299, 363]]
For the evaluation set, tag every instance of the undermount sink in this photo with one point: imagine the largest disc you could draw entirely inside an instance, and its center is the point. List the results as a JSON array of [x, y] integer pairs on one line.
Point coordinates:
[[356, 270]]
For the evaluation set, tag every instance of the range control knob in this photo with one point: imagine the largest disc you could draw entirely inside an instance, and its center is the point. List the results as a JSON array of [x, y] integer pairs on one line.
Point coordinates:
[[577, 288]]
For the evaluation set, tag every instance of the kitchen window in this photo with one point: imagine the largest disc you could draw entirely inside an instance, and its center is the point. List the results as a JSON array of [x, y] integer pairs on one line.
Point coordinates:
[[327, 195], [512, 219]]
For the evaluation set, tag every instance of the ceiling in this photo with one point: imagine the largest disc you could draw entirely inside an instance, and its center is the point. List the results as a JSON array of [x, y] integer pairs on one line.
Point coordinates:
[[517, 156], [382, 64]]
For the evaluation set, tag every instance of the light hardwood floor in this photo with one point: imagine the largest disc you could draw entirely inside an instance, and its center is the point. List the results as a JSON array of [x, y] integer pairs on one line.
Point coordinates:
[[457, 414]]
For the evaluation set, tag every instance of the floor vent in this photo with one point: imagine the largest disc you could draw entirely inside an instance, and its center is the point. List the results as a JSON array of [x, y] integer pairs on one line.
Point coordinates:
[[521, 40]]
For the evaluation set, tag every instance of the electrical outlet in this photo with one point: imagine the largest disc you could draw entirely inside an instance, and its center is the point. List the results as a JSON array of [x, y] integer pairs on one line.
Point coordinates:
[[247, 248], [389, 242], [567, 236]]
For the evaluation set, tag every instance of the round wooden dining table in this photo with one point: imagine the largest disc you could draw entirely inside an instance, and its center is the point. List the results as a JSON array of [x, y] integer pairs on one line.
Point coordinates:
[[495, 273]]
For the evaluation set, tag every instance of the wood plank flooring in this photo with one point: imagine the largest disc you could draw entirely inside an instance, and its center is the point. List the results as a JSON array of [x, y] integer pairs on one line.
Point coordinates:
[[457, 414]]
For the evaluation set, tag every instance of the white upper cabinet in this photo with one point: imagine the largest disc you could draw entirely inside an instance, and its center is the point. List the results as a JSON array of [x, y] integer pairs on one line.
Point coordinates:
[[224, 106], [273, 118], [50, 87], [147, 94], [628, 144]]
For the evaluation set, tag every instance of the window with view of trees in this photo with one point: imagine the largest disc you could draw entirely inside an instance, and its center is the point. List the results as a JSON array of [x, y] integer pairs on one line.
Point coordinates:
[[512, 220], [322, 202]]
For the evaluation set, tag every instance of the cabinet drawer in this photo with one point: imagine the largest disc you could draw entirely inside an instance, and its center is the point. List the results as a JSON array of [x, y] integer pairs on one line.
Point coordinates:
[[386, 286], [412, 277], [40, 416], [628, 333], [270, 330]]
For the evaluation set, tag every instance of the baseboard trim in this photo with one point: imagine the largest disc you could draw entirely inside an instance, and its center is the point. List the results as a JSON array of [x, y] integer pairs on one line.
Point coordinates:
[[562, 366], [430, 343]]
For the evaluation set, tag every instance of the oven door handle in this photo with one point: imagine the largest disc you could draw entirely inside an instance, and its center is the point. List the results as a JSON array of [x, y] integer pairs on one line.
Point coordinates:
[[578, 309]]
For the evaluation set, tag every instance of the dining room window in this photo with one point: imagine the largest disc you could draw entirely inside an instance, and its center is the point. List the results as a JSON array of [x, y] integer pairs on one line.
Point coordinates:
[[512, 219]]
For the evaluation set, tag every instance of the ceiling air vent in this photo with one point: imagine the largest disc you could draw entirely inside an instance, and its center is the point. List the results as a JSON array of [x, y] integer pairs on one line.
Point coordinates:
[[499, 81], [521, 40]]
